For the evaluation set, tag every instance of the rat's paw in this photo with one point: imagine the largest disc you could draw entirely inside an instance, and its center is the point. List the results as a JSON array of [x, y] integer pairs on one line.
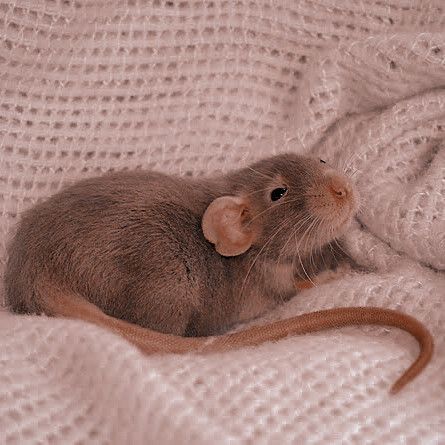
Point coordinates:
[[303, 284], [326, 276]]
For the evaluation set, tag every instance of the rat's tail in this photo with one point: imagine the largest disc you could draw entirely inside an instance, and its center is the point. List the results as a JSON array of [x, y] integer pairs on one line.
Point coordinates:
[[70, 305]]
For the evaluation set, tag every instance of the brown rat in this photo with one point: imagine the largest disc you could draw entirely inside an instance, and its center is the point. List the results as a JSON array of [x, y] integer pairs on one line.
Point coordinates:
[[162, 260]]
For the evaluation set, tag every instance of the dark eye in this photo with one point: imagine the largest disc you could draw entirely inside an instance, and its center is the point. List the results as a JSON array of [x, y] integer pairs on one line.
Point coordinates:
[[278, 193], [323, 162]]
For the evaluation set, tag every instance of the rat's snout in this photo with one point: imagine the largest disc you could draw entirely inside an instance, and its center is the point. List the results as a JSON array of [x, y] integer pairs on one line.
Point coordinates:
[[333, 199], [339, 189]]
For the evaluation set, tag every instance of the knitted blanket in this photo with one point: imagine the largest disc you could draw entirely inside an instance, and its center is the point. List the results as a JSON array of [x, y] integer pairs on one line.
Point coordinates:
[[195, 87]]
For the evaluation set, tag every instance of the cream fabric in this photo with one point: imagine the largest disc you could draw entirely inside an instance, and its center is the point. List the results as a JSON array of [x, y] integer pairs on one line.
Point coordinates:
[[195, 87]]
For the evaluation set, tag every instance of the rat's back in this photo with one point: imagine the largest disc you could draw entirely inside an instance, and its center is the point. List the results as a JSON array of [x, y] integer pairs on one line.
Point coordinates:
[[101, 237]]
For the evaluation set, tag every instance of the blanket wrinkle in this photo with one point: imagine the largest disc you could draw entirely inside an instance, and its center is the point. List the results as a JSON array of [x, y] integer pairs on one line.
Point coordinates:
[[197, 88]]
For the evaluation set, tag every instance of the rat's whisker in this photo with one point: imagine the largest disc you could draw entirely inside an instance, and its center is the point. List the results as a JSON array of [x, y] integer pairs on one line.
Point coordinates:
[[261, 173], [257, 191], [335, 240], [310, 236], [273, 207], [269, 240], [318, 247], [297, 227], [306, 239], [303, 268], [333, 252], [298, 252], [348, 161], [305, 220]]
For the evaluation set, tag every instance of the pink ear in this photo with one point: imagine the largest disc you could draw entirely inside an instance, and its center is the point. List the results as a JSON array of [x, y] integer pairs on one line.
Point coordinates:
[[223, 224]]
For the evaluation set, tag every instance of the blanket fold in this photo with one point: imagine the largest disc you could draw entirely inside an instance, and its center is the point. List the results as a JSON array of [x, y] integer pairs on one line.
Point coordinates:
[[200, 87]]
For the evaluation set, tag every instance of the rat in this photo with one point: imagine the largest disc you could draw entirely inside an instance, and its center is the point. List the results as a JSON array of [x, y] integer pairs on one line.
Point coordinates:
[[171, 262]]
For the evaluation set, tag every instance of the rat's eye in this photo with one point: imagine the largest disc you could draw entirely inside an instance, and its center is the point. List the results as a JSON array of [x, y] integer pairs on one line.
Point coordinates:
[[323, 162], [278, 193]]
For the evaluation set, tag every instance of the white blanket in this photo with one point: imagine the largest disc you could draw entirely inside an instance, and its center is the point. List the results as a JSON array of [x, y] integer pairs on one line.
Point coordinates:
[[196, 87]]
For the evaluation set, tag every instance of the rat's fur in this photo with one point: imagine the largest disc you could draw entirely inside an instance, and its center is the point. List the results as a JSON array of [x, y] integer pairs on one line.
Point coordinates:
[[132, 244], [129, 247]]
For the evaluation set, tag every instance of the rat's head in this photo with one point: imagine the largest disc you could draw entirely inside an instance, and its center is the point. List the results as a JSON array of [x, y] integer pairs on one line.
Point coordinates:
[[286, 205]]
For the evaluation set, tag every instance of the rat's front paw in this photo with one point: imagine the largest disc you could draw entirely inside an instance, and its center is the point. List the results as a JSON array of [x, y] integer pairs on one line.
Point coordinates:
[[329, 275], [324, 277], [304, 284]]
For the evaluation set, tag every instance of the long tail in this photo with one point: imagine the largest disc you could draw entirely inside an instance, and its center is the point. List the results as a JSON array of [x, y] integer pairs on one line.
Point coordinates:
[[150, 342]]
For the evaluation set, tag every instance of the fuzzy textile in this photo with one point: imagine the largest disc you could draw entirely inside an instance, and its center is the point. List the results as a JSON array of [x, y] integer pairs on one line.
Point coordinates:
[[195, 87]]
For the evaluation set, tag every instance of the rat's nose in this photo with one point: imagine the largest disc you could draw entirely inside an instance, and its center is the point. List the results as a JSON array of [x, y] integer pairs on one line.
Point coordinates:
[[339, 190]]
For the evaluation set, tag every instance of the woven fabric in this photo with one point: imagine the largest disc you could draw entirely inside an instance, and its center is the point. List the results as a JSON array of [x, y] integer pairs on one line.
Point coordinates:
[[195, 87]]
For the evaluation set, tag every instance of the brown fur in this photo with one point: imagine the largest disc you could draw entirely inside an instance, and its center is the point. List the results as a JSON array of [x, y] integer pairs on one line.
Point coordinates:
[[131, 244]]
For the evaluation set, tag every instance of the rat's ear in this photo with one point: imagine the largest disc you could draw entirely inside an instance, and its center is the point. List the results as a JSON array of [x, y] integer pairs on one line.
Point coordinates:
[[224, 225]]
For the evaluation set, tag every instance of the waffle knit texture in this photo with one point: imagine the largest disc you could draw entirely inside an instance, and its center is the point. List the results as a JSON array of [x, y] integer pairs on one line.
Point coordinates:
[[194, 87]]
